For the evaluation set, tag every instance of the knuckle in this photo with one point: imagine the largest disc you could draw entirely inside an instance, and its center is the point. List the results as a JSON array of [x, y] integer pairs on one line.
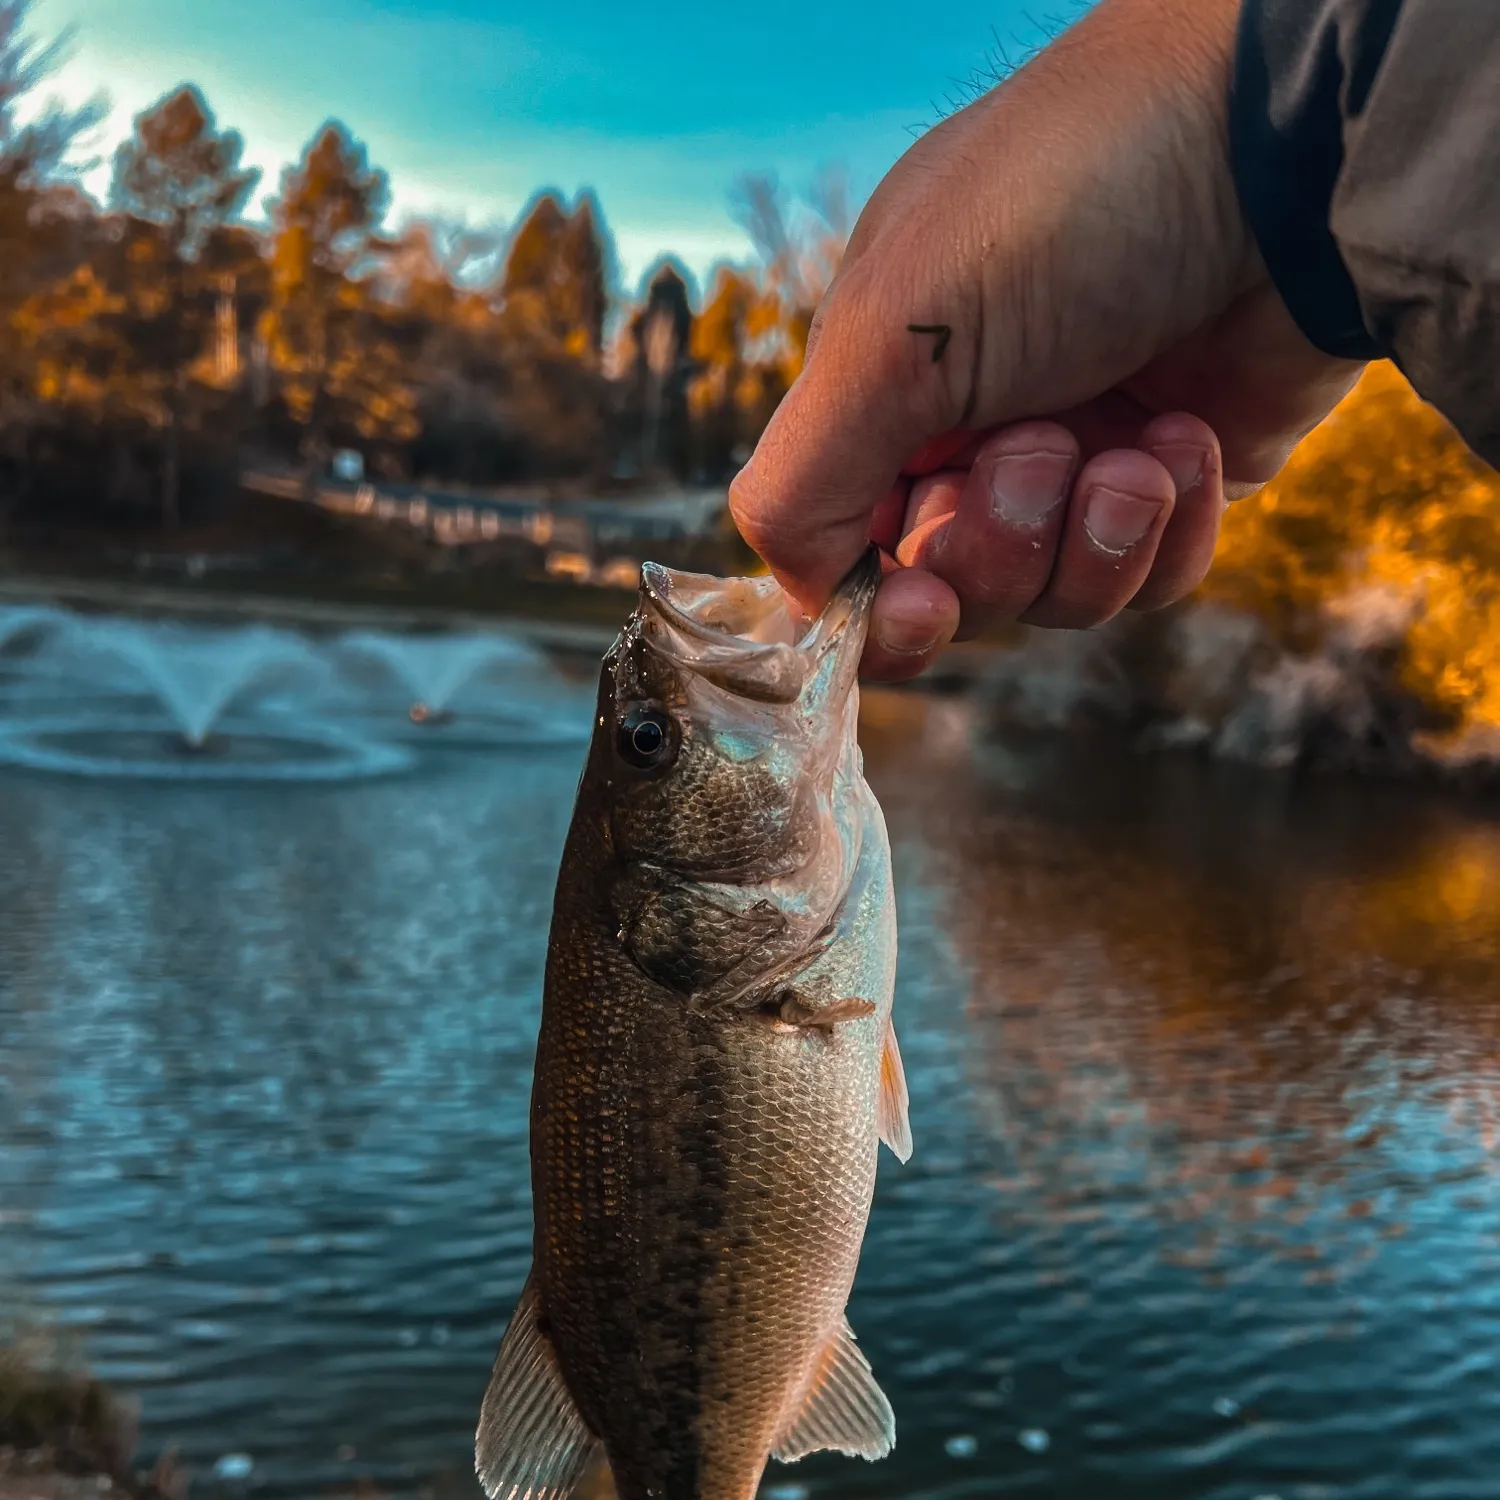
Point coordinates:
[[994, 592], [1250, 467], [1065, 614], [1179, 428], [1152, 597]]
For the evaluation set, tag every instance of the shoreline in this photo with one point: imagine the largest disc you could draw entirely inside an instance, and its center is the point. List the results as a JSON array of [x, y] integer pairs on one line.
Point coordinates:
[[962, 667], [164, 599], [65, 1435], [1021, 683]]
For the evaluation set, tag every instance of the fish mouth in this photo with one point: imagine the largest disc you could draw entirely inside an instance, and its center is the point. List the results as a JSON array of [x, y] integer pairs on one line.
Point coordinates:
[[739, 634]]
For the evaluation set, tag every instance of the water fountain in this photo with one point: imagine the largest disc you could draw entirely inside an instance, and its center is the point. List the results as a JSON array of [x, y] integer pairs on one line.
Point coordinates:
[[197, 673], [434, 670], [103, 696], [196, 676], [17, 620], [24, 629], [138, 750], [22, 626]]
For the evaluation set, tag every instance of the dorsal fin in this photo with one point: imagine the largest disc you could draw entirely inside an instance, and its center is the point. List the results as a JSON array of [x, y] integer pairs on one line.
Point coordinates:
[[532, 1443], [891, 1111], [843, 1408]]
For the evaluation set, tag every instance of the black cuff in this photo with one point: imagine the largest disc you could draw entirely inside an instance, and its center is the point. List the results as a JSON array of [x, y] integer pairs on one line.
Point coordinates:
[[1302, 67]]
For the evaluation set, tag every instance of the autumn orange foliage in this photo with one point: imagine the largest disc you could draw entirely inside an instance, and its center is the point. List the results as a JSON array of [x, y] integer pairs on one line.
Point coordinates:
[[153, 349], [1382, 520]]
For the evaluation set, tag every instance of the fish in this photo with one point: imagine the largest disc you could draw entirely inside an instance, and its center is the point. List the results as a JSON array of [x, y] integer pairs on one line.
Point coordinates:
[[716, 1065]]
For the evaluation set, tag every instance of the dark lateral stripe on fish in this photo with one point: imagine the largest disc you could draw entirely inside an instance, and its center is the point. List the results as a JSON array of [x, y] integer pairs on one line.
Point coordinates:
[[702, 1144]]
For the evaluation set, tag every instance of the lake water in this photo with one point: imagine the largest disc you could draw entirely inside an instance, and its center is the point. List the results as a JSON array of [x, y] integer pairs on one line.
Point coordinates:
[[1205, 1076]]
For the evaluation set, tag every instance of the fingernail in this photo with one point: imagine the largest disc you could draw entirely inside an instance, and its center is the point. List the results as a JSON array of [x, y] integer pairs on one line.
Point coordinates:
[[905, 637], [1025, 488], [1185, 465], [1115, 521]]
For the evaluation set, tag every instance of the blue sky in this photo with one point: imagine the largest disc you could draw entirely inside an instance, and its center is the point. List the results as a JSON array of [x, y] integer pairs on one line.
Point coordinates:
[[472, 105]]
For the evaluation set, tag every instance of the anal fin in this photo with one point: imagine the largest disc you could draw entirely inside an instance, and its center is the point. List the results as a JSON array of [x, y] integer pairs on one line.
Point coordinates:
[[892, 1110], [843, 1408], [532, 1443]]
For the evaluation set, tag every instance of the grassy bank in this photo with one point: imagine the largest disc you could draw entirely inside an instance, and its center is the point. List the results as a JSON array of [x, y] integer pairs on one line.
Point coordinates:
[[64, 1435]]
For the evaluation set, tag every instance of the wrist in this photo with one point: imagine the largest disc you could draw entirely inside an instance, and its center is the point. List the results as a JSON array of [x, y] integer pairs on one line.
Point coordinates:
[[1295, 75]]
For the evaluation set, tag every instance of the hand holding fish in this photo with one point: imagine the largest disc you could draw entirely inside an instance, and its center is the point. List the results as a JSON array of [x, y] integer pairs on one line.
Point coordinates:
[[716, 1065], [1051, 349]]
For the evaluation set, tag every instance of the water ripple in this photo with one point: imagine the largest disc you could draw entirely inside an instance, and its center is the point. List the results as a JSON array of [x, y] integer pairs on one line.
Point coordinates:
[[1205, 1088]]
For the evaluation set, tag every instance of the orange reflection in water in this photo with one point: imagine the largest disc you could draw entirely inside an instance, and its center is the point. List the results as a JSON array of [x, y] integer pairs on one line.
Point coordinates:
[[1207, 993]]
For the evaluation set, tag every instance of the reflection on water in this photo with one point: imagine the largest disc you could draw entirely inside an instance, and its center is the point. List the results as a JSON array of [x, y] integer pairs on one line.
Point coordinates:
[[1205, 1076]]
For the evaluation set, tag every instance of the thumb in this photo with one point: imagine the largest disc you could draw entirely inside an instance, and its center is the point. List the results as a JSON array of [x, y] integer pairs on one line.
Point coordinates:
[[884, 378]]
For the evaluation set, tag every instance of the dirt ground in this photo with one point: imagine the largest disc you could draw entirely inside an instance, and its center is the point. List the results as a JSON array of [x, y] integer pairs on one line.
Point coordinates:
[[19, 1480]]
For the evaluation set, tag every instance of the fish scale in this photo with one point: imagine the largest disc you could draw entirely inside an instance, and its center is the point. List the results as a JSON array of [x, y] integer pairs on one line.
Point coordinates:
[[702, 1168]]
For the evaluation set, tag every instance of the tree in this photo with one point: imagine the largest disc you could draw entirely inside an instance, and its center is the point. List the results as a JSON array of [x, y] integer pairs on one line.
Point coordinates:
[[91, 337], [553, 294], [440, 276], [184, 178], [1382, 516], [552, 308], [800, 246], [738, 375], [660, 334], [533, 270], [45, 220], [583, 293], [181, 173], [328, 329], [35, 154], [434, 264]]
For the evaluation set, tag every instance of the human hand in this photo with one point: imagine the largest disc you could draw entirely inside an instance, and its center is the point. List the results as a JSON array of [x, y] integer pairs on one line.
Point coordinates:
[[1115, 361]]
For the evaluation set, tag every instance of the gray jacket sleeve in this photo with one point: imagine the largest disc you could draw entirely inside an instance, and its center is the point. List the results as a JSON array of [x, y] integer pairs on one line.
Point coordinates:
[[1366, 145]]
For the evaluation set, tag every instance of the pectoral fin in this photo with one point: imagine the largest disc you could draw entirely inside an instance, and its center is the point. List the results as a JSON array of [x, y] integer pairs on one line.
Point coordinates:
[[843, 1408], [799, 1008], [532, 1443], [892, 1108]]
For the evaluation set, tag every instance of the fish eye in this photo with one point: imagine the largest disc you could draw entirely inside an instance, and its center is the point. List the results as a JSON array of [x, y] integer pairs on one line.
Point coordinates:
[[646, 739]]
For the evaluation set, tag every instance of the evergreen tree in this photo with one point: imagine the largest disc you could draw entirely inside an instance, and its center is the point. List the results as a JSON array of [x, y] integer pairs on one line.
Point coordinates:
[[553, 302], [46, 223], [340, 370], [553, 293], [178, 171], [660, 333], [182, 179], [585, 296]]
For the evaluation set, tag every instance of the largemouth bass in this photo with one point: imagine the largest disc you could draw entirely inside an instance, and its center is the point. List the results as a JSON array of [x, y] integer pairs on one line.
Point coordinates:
[[716, 1065]]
